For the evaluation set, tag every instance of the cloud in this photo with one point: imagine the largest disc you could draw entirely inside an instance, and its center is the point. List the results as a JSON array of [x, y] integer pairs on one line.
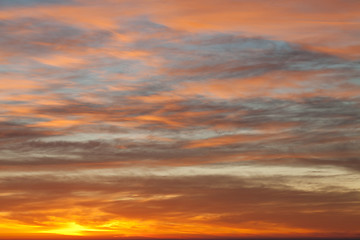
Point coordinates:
[[27, 3], [179, 119], [233, 202], [277, 132], [36, 36]]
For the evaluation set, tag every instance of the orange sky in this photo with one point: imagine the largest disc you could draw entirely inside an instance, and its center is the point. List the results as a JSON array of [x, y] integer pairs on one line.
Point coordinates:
[[179, 119]]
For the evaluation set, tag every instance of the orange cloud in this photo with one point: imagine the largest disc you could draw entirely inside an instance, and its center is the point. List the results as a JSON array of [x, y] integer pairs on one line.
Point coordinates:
[[275, 84], [225, 140]]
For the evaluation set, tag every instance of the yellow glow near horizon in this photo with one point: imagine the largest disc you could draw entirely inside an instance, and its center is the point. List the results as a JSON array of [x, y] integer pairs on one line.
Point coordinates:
[[72, 229], [129, 227]]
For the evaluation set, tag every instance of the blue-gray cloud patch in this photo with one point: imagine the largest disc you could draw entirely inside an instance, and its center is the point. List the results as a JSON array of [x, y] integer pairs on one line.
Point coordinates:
[[31, 3]]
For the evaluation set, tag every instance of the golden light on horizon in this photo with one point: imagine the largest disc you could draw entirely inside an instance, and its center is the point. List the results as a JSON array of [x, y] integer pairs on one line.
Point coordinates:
[[72, 229]]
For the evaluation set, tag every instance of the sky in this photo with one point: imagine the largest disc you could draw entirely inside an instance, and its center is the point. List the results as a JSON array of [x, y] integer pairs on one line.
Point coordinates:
[[179, 119]]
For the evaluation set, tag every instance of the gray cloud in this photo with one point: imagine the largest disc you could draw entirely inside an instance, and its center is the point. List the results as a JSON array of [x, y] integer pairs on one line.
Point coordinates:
[[36, 36], [33, 3]]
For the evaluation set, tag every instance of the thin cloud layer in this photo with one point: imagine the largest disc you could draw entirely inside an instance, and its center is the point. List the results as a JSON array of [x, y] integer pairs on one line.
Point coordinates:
[[178, 119]]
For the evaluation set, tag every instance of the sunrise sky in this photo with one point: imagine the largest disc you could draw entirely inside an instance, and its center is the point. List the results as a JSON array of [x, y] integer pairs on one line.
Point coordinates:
[[179, 119]]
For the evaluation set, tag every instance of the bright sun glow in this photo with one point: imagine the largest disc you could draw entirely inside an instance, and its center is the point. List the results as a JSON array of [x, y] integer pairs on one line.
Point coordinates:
[[72, 229]]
